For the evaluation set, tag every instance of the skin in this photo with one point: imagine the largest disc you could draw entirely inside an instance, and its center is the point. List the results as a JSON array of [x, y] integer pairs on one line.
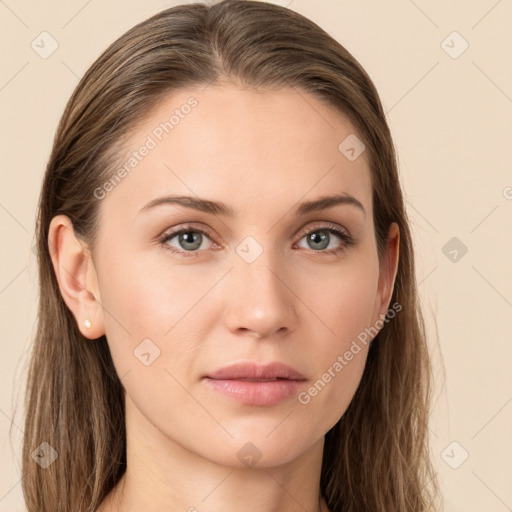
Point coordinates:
[[261, 152]]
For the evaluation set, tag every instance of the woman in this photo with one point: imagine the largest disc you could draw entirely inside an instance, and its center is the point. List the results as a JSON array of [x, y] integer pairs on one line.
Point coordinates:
[[228, 316]]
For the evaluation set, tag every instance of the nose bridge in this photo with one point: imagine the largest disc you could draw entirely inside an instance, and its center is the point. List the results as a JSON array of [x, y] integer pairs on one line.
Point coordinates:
[[258, 297]]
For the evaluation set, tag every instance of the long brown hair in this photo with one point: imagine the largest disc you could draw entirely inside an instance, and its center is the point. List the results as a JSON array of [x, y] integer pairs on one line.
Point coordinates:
[[376, 458]]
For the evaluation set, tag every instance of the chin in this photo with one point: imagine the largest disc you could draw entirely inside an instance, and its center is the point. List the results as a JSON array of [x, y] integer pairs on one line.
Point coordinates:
[[260, 450]]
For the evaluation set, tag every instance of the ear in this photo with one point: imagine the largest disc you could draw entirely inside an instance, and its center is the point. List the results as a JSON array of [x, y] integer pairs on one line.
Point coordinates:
[[76, 276], [388, 270]]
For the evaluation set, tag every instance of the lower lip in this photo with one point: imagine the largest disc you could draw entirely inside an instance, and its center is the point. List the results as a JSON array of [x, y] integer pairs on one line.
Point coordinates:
[[256, 393]]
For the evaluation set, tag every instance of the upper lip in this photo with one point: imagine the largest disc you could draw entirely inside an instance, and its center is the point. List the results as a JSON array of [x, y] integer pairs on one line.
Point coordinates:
[[251, 370]]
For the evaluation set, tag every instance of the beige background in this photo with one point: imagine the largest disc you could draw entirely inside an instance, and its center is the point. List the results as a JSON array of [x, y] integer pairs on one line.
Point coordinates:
[[451, 120]]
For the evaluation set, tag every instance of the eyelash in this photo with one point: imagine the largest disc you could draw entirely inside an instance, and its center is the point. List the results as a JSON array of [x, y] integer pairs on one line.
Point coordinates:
[[347, 240]]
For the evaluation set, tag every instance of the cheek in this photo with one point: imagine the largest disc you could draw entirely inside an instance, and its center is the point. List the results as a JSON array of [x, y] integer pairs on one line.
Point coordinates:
[[344, 302], [146, 298], [345, 306], [147, 301], [330, 394]]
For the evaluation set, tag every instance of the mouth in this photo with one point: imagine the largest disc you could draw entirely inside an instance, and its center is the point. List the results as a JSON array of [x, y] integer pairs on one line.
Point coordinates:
[[256, 385], [262, 380], [252, 371]]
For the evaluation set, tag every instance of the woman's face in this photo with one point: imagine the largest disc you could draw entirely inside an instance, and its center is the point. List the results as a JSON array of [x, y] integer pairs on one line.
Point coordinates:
[[246, 285]]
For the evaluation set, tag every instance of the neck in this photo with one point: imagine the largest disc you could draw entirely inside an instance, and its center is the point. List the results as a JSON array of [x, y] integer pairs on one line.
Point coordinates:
[[163, 475]]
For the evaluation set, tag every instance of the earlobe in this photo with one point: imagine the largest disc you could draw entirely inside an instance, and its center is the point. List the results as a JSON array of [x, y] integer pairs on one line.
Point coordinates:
[[76, 276]]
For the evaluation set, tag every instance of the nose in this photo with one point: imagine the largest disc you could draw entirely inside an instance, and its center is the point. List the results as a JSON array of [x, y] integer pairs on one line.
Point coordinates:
[[260, 301]]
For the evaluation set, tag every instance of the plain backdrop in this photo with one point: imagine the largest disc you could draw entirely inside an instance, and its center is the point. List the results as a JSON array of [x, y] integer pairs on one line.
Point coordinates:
[[443, 71]]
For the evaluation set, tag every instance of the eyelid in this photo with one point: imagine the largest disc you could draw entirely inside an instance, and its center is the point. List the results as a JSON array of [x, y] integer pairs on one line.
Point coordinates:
[[185, 226], [322, 224]]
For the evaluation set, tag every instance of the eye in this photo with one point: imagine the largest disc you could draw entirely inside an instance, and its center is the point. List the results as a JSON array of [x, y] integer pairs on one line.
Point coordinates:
[[320, 237], [189, 239]]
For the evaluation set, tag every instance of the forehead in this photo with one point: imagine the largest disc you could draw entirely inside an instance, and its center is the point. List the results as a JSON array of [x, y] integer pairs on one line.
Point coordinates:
[[244, 146]]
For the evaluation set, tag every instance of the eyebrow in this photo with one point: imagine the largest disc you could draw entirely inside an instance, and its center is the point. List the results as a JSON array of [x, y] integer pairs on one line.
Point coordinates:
[[220, 208]]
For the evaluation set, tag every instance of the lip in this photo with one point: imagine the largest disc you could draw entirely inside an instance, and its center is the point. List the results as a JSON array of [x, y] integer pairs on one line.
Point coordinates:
[[254, 384], [251, 370]]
